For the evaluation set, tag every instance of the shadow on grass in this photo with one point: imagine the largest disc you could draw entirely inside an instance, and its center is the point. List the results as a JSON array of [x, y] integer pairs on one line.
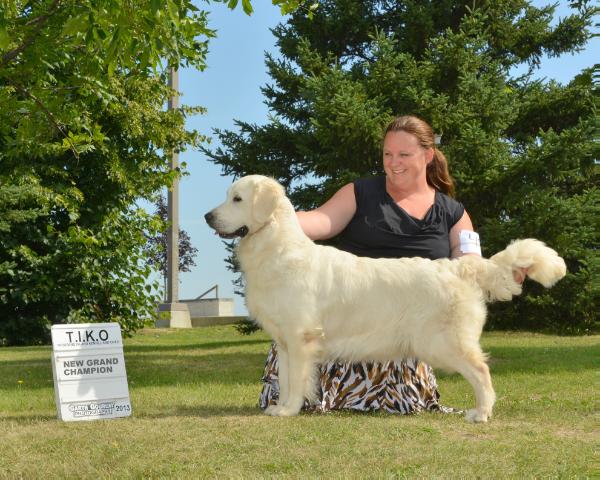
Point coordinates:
[[540, 359], [34, 362], [171, 369], [152, 370], [235, 368], [193, 346], [27, 349]]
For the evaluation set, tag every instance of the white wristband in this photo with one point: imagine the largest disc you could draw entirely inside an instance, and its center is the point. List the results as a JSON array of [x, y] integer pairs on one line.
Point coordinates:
[[469, 242]]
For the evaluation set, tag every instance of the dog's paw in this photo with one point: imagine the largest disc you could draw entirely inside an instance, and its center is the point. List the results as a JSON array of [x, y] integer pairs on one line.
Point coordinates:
[[281, 411], [476, 416], [272, 409]]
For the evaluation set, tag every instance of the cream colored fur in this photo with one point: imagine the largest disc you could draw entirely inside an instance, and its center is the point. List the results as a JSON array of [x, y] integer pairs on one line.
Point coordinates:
[[320, 303]]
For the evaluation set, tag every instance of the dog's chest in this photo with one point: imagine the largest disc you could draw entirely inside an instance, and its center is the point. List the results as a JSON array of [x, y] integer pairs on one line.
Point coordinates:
[[263, 300], [266, 314], [271, 299]]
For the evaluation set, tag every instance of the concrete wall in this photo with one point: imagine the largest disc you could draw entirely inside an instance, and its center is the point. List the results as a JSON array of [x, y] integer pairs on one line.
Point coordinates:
[[206, 312], [210, 307]]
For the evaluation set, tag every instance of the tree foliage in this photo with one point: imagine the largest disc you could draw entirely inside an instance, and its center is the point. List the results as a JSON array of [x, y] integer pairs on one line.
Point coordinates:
[[285, 6], [83, 135], [520, 149]]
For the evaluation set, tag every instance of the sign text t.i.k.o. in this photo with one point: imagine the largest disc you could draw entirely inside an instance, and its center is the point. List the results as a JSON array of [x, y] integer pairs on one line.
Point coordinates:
[[87, 336]]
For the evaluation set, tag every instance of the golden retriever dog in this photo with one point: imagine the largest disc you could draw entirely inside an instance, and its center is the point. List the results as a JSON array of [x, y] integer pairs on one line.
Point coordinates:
[[319, 303]]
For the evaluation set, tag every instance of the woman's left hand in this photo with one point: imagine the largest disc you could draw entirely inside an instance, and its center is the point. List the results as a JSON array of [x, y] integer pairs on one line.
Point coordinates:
[[519, 274]]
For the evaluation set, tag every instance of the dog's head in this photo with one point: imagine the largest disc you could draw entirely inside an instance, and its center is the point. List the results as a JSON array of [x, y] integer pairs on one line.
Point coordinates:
[[250, 204]]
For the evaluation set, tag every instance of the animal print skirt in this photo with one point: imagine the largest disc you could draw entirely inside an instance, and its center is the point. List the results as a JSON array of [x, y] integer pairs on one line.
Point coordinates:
[[406, 386]]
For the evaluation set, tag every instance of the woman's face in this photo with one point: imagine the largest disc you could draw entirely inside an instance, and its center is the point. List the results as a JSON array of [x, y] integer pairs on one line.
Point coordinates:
[[404, 159]]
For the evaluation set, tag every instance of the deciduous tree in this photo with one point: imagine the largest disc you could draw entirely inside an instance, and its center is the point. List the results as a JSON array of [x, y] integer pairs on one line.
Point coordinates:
[[157, 246], [83, 135]]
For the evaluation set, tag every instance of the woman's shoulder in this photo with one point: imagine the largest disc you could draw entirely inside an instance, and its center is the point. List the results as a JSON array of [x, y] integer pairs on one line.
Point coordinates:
[[369, 189], [370, 183], [445, 199], [452, 207]]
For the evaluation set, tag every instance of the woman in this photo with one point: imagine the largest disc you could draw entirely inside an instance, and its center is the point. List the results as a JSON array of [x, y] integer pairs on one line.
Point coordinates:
[[406, 213]]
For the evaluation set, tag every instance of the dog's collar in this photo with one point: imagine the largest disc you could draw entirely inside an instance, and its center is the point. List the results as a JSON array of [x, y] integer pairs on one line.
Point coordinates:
[[261, 228]]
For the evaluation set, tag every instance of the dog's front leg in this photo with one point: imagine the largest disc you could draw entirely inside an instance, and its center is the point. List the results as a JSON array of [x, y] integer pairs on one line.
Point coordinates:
[[284, 378], [299, 374]]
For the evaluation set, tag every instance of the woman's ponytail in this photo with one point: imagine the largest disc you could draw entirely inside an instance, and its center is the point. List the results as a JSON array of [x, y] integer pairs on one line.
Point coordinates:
[[438, 175]]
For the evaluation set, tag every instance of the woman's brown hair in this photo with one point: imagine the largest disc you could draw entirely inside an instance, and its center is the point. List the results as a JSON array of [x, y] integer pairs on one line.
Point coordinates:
[[437, 172]]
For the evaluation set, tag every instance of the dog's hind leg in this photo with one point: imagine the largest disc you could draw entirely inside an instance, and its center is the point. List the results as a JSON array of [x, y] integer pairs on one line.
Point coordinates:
[[469, 361], [458, 350], [472, 366]]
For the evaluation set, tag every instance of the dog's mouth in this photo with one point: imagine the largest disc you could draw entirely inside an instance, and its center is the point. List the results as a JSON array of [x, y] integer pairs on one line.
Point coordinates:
[[240, 232]]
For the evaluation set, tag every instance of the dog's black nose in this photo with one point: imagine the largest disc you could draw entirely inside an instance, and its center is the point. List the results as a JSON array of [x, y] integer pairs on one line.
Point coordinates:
[[208, 217]]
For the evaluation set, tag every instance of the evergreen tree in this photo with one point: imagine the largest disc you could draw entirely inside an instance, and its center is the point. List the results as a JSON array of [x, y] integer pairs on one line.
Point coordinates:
[[520, 149]]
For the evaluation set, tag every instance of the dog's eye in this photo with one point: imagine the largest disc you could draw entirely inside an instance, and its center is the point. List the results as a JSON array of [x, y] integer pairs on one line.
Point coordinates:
[[237, 198]]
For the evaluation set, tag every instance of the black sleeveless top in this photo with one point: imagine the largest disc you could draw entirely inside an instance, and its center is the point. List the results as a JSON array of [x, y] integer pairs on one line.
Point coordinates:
[[380, 228]]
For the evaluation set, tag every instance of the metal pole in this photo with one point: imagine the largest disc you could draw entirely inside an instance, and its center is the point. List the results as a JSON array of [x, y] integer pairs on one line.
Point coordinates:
[[173, 208]]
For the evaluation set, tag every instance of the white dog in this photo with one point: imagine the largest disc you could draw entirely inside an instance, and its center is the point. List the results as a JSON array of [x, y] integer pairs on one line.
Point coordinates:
[[319, 303]]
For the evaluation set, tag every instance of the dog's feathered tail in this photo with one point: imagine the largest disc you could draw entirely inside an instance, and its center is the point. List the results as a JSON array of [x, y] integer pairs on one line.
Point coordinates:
[[495, 276]]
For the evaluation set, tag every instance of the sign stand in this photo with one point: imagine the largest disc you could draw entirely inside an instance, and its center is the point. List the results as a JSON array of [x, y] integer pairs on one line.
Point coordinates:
[[90, 381]]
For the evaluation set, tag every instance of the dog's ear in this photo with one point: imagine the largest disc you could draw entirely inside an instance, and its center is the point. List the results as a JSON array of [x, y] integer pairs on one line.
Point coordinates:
[[266, 196]]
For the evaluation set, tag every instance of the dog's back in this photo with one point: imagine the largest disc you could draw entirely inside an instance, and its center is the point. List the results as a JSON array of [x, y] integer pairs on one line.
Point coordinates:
[[368, 309]]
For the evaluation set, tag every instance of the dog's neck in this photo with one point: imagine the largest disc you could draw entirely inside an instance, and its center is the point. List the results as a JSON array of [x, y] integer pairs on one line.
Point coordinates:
[[261, 228], [267, 235], [286, 219]]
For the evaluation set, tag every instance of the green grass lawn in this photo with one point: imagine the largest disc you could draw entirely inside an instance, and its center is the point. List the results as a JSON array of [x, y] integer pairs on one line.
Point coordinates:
[[194, 396]]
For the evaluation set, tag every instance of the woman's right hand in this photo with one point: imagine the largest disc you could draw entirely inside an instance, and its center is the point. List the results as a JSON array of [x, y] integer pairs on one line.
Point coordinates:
[[330, 218]]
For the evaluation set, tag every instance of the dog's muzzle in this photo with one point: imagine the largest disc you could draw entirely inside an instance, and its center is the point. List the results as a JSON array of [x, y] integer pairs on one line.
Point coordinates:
[[240, 232]]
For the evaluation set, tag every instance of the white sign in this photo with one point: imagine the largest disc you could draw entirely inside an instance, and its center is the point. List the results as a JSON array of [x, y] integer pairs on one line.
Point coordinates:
[[90, 381]]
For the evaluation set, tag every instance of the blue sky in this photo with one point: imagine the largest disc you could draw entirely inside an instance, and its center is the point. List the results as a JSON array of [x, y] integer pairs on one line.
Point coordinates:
[[230, 89]]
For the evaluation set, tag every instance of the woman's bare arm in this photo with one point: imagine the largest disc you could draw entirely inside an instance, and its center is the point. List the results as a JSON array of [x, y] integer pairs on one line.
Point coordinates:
[[330, 218]]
